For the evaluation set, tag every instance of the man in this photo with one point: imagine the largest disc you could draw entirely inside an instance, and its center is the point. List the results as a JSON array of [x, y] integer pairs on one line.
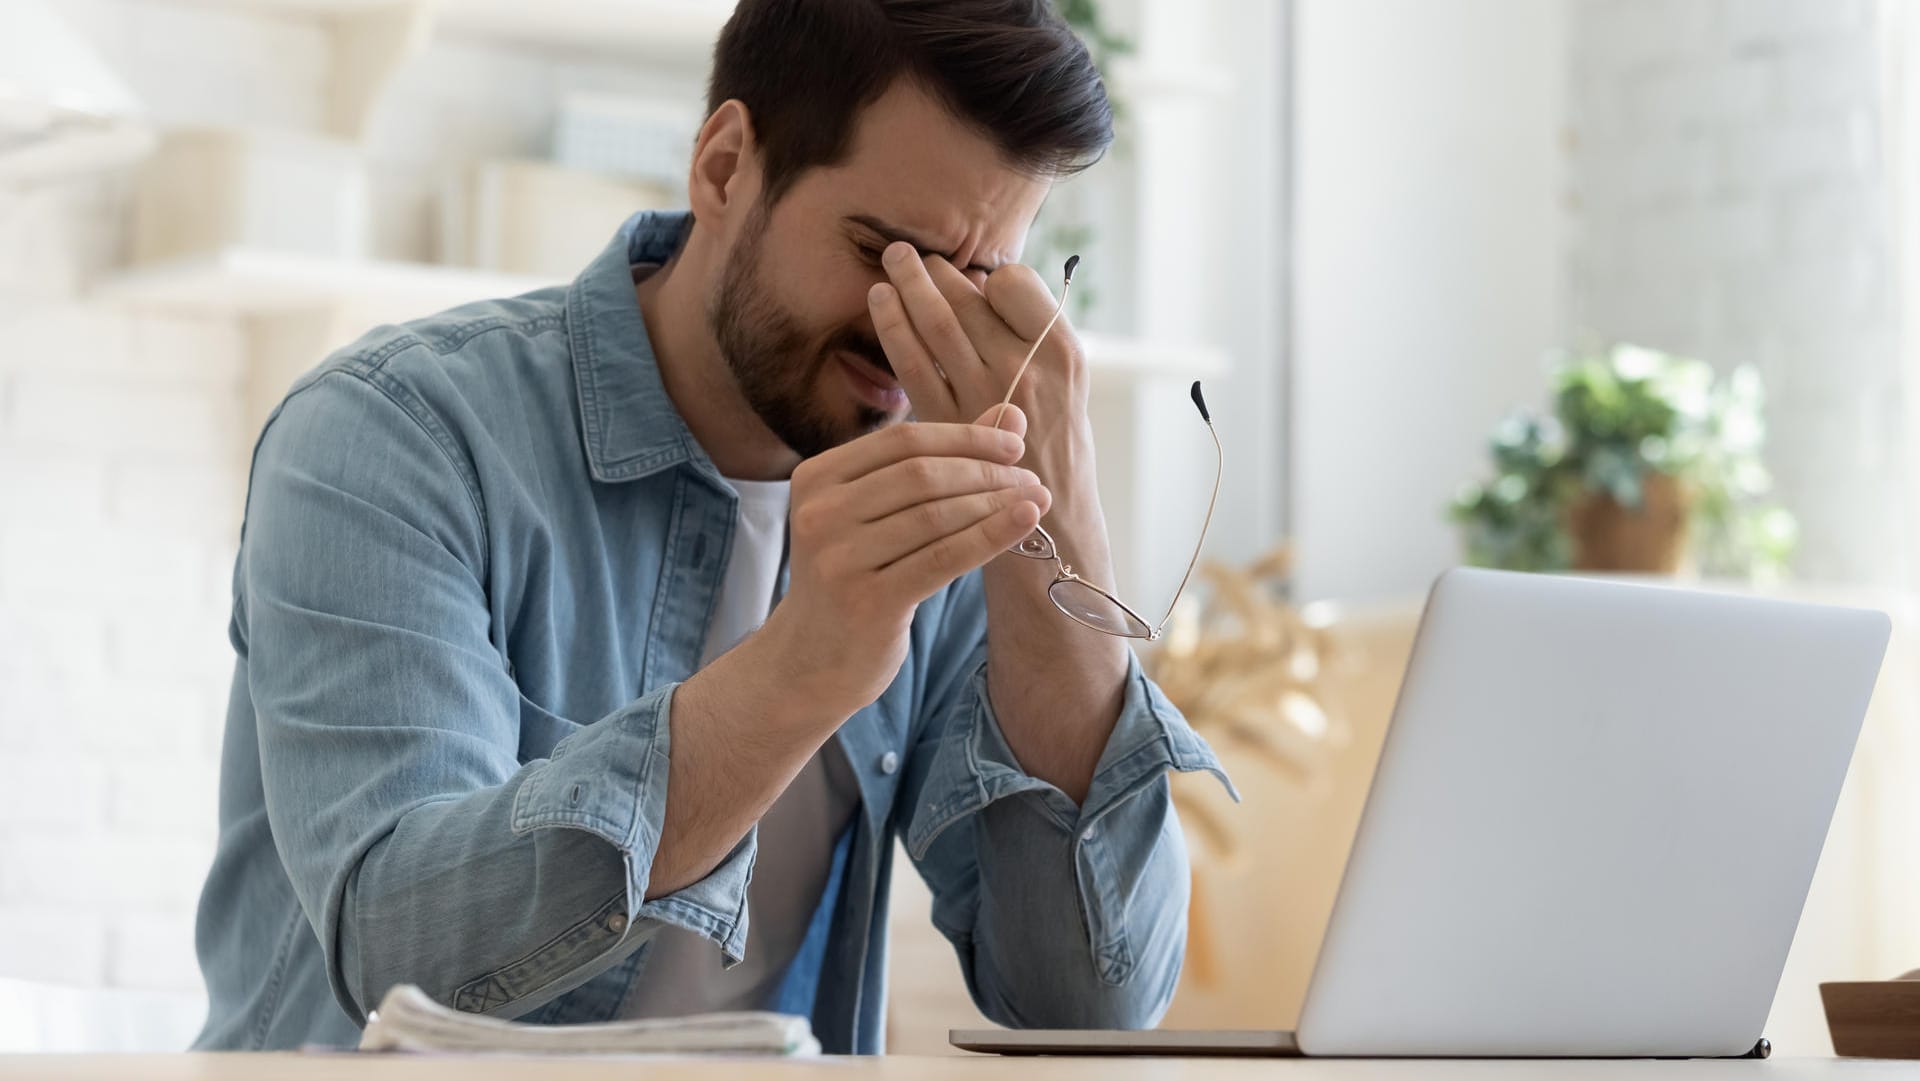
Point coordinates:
[[515, 716]]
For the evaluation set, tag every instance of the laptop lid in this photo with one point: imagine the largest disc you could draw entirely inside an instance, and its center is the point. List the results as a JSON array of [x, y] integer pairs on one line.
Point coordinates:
[[1594, 821]]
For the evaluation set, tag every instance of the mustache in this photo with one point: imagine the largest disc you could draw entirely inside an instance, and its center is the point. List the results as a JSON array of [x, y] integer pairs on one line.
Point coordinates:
[[867, 349]]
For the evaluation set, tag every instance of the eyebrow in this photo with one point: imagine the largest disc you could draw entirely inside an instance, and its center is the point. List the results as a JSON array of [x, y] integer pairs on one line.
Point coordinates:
[[891, 233]]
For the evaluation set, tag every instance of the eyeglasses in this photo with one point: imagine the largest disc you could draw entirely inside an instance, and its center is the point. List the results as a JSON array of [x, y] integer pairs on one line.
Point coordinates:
[[1080, 600]]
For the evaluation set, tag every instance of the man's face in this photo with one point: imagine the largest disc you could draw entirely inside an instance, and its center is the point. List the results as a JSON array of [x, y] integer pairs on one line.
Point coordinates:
[[790, 310]]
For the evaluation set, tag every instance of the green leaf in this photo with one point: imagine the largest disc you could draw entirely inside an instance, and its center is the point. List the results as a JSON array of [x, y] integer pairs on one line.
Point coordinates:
[[1618, 414]]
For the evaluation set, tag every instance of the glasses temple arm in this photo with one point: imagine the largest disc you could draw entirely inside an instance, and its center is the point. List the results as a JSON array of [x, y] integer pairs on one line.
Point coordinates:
[[1219, 466], [1057, 309]]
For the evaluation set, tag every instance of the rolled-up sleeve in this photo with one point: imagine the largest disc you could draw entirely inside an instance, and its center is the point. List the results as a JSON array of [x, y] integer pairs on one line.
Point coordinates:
[[422, 849], [1063, 915]]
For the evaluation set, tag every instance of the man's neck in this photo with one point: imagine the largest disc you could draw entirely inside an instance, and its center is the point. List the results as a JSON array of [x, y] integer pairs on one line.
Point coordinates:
[[699, 383]]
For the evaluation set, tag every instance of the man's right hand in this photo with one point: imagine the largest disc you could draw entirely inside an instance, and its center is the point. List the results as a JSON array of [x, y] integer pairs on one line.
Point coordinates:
[[880, 524]]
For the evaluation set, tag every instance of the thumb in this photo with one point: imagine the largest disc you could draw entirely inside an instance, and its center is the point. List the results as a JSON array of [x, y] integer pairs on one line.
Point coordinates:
[[1012, 420]]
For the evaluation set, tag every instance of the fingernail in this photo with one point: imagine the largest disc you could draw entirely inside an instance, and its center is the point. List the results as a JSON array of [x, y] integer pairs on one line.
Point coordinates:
[[896, 254], [879, 293]]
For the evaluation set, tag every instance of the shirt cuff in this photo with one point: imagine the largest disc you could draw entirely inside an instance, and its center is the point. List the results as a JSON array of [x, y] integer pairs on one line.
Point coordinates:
[[974, 766], [610, 779]]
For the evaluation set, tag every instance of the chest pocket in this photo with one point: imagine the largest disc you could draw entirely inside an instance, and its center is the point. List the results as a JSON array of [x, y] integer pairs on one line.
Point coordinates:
[[541, 729]]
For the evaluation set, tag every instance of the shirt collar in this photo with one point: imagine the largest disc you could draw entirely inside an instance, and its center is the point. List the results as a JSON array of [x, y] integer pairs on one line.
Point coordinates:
[[628, 424]]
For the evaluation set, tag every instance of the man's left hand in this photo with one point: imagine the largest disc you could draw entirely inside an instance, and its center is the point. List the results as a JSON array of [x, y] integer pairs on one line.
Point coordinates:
[[956, 347]]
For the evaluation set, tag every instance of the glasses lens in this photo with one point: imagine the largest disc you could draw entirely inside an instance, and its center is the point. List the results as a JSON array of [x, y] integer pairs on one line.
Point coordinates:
[[1092, 608], [1037, 546]]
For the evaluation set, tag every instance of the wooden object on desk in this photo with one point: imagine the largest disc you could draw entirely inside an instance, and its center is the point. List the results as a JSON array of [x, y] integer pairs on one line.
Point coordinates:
[[1877, 1019]]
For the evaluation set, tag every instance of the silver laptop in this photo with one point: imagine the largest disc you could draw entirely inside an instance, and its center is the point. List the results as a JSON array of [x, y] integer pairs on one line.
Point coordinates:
[[1592, 828]]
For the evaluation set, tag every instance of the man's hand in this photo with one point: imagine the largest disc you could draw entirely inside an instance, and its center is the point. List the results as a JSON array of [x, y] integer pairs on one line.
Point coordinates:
[[1056, 686], [878, 525], [882, 523], [956, 346]]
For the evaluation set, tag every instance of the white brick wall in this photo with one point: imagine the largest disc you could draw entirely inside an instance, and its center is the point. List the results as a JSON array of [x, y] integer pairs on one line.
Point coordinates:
[[1729, 201], [122, 461], [124, 438], [120, 473]]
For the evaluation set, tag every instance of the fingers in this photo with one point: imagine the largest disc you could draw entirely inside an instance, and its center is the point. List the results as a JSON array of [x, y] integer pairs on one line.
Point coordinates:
[[926, 387], [1020, 299], [920, 480], [934, 318], [908, 531], [1007, 418], [929, 569], [864, 455], [990, 334]]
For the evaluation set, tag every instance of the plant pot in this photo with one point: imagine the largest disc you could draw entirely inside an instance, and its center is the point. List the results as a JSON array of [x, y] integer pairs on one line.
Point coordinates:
[[1649, 539]]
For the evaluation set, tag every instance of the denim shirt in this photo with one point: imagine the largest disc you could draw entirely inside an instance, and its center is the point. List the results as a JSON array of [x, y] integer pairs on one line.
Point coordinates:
[[480, 552]]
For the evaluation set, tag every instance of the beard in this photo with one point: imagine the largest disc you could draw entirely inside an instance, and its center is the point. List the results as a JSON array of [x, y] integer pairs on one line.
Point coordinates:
[[773, 358]]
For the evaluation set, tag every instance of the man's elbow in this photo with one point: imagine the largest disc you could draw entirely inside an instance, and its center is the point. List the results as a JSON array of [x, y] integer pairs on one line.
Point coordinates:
[[1136, 998]]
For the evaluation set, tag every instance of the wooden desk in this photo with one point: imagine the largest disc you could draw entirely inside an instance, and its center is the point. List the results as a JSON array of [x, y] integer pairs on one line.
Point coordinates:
[[283, 1067]]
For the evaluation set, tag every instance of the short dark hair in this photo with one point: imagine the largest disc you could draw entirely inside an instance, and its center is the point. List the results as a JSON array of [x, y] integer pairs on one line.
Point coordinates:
[[1012, 69]]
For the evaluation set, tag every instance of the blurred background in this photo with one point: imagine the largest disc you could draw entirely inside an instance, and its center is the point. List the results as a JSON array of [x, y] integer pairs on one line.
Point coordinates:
[[1611, 285]]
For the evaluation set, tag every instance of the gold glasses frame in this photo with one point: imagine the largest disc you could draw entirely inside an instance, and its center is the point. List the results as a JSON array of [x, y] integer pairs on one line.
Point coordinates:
[[1077, 598]]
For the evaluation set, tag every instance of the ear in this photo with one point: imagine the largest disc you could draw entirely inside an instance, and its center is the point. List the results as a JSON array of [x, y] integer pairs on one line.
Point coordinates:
[[725, 177]]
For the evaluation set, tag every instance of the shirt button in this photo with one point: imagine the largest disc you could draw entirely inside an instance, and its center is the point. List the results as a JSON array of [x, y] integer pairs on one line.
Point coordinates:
[[889, 763], [1087, 834], [617, 923]]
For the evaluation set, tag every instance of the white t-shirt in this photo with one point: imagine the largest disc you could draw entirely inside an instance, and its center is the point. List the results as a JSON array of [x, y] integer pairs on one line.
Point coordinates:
[[682, 973]]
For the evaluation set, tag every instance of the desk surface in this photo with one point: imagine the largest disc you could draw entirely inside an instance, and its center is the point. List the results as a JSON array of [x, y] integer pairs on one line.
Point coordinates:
[[290, 1067]]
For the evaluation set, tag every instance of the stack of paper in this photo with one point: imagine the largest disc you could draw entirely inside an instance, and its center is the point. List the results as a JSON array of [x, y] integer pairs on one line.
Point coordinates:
[[408, 1020]]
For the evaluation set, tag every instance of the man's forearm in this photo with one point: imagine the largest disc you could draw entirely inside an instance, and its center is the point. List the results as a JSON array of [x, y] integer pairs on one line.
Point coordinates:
[[739, 736], [1056, 686]]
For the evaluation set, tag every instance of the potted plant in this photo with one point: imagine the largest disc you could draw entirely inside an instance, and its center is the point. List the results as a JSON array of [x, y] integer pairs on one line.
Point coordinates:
[[1648, 463]]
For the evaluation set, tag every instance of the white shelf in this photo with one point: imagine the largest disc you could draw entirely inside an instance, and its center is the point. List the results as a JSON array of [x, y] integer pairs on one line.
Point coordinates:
[[242, 282], [1128, 359], [656, 29], [313, 9], [375, 38], [650, 28], [239, 282], [653, 28]]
